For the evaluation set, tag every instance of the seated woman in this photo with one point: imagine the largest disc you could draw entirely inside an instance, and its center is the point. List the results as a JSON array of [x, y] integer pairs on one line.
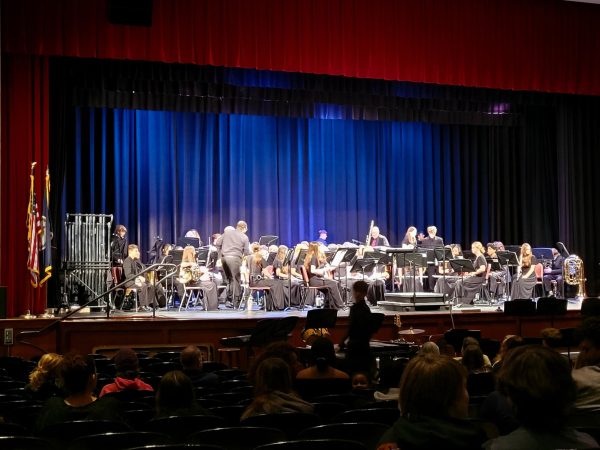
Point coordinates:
[[410, 279], [522, 287], [375, 277], [192, 274], [78, 376], [291, 281], [176, 396], [470, 284], [273, 391], [447, 275], [43, 380], [538, 382], [434, 404], [259, 275], [320, 274]]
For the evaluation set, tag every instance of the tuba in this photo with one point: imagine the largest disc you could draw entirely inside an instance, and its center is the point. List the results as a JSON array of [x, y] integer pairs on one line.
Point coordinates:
[[573, 273]]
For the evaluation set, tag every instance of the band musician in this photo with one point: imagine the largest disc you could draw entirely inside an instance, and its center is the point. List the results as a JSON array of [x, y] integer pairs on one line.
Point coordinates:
[[553, 274]]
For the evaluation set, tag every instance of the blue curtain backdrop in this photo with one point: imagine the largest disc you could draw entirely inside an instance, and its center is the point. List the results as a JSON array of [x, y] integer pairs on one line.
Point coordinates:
[[161, 173]]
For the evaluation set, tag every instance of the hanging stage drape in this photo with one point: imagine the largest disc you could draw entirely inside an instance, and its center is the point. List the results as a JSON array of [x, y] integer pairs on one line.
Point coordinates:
[[162, 173]]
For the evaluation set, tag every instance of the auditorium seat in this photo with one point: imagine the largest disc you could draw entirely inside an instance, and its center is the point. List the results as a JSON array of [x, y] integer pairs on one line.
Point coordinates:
[[238, 438]]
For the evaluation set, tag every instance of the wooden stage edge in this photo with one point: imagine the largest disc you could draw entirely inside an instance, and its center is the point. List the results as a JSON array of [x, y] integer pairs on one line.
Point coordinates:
[[84, 333]]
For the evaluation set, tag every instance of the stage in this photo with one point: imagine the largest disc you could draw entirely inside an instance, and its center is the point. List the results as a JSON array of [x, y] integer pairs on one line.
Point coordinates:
[[87, 332]]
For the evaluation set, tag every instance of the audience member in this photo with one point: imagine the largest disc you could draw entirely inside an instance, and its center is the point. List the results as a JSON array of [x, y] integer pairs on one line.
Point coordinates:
[[43, 379], [127, 365], [587, 370], [446, 348], [430, 347], [191, 362], [434, 404], [323, 360], [551, 337], [273, 391], [473, 360], [508, 343], [538, 384], [361, 380], [176, 397], [78, 377], [280, 349]]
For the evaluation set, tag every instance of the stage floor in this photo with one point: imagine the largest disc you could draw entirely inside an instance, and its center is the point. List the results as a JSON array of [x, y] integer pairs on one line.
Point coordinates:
[[85, 331]]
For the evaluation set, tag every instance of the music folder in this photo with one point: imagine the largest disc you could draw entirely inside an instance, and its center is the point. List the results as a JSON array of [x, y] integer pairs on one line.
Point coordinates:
[[462, 265]]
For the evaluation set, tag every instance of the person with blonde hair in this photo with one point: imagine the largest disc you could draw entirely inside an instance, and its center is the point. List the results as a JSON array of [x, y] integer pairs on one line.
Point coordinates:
[[523, 285], [43, 380], [192, 274]]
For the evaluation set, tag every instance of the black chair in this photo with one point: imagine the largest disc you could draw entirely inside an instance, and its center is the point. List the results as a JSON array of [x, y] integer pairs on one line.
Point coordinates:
[[138, 418], [230, 385], [229, 374], [161, 368], [180, 447], [480, 383], [13, 429], [65, 432], [328, 410], [315, 444], [590, 307], [23, 442], [290, 423], [209, 402], [366, 433], [17, 368], [310, 389], [230, 398], [351, 400], [238, 438], [386, 416], [25, 415], [179, 427], [230, 413], [168, 356], [5, 385], [118, 441]]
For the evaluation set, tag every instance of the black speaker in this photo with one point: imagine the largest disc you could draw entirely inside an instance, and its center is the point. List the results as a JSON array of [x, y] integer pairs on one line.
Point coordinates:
[[519, 307], [2, 302], [130, 12]]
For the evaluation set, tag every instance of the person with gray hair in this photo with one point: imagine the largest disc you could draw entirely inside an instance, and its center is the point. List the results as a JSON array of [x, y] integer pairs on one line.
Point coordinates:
[[429, 348], [233, 245]]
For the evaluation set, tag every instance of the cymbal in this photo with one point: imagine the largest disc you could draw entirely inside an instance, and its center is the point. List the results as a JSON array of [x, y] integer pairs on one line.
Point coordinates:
[[411, 331]]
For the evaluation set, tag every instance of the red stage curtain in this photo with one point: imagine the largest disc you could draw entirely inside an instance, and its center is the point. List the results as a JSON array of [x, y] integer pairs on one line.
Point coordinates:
[[25, 135], [540, 45]]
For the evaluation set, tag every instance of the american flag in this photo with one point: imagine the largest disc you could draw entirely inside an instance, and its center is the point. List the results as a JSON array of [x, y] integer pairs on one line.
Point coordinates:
[[33, 227]]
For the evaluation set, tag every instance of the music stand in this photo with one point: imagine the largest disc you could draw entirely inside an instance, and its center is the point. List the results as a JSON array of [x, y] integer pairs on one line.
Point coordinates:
[[271, 258], [443, 254], [185, 241], [177, 256], [301, 257], [344, 255], [320, 318], [360, 265], [508, 259], [414, 260], [287, 261], [202, 256], [268, 240]]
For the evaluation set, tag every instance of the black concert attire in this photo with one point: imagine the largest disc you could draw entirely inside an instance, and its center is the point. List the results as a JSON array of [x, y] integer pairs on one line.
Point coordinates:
[[556, 273], [497, 278], [257, 278], [292, 298], [131, 267], [233, 245], [466, 289], [332, 290], [118, 249], [446, 284], [380, 241], [118, 253], [430, 243], [522, 287], [360, 330]]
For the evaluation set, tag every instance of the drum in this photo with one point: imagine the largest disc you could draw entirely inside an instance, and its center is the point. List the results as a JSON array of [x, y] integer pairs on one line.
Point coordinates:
[[311, 334]]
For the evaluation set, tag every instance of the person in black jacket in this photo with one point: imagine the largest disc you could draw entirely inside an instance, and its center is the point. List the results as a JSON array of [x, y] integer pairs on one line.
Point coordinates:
[[118, 246], [360, 330], [554, 272]]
